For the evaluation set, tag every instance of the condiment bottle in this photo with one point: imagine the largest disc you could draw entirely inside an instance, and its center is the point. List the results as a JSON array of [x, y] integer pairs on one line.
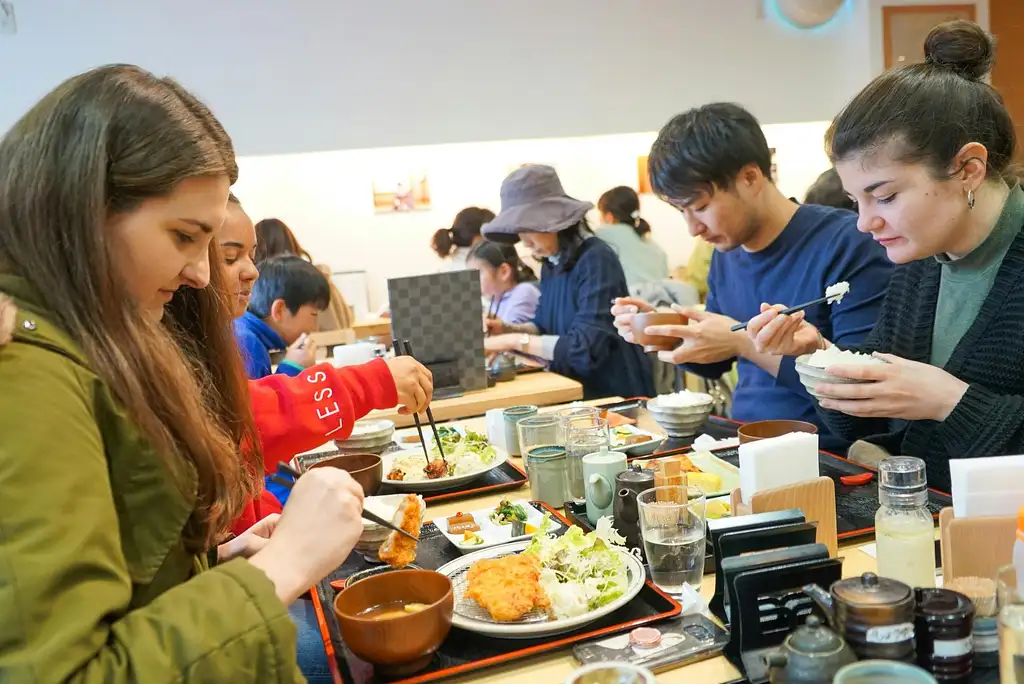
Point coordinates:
[[943, 622], [904, 529], [1018, 548]]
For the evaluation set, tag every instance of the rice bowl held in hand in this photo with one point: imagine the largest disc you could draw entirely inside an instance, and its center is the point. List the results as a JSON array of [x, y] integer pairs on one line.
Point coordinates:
[[812, 368]]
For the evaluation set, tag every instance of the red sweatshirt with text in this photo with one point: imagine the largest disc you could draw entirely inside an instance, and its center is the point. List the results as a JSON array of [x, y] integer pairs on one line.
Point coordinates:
[[296, 414]]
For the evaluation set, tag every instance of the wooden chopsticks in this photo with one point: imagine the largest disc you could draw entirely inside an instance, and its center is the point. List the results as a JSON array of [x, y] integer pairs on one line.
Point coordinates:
[[404, 348]]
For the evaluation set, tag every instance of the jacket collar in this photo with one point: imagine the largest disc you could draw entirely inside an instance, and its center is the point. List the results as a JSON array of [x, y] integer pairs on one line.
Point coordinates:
[[267, 336]]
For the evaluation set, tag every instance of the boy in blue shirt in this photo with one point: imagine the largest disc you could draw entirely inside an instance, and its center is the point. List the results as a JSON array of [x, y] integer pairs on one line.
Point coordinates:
[[713, 164], [283, 309]]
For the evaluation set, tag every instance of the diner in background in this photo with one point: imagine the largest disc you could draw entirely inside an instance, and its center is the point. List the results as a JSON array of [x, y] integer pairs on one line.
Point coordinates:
[[643, 260], [713, 164], [923, 150], [509, 286], [453, 244], [573, 330]]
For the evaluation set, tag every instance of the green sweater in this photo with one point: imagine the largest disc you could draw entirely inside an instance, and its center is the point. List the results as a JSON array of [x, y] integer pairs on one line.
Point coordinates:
[[642, 259], [966, 282]]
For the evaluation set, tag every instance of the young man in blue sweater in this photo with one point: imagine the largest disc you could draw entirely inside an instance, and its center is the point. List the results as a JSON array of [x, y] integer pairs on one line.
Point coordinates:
[[283, 309], [713, 164]]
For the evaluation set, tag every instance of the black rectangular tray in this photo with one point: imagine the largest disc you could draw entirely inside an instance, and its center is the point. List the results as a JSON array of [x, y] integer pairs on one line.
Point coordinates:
[[465, 651], [505, 477]]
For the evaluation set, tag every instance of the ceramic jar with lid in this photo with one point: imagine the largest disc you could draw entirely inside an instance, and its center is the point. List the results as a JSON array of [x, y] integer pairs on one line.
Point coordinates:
[[628, 485], [812, 654], [943, 625], [874, 614]]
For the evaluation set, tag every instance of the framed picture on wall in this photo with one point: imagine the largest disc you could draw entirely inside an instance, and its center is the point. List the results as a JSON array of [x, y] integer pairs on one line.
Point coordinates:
[[905, 27], [643, 177], [401, 193]]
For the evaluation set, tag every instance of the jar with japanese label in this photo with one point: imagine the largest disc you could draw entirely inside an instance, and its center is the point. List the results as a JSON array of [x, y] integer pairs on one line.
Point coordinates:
[[943, 623]]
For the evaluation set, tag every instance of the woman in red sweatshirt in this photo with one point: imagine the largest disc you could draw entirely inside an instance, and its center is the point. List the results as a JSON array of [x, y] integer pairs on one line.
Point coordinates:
[[296, 414]]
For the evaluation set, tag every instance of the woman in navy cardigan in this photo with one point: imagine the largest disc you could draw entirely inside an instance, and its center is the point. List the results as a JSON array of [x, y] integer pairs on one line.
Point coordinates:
[[573, 330]]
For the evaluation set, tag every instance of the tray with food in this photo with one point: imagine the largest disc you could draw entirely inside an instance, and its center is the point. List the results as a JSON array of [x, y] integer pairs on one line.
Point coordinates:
[[704, 470], [510, 520], [467, 456], [632, 441], [509, 602]]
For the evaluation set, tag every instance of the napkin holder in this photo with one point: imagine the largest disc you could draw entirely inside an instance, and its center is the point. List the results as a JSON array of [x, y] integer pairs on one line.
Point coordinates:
[[716, 529], [816, 498], [975, 547], [769, 602]]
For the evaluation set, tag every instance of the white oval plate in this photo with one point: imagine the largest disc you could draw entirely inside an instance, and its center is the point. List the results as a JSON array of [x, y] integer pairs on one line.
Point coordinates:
[[457, 569], [441, 482]]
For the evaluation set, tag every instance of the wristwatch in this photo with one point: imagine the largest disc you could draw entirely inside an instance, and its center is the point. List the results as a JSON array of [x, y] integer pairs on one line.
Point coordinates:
[[524, 343]]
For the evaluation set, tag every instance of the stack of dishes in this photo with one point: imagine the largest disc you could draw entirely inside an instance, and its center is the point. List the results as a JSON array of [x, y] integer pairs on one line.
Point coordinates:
[[373, 534], [369, 436], [681, 414]]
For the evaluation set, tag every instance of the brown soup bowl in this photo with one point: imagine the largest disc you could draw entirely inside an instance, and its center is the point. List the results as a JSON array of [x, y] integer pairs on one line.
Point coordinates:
[[402, 645], [366, 469], [766, 429], [655, 343]]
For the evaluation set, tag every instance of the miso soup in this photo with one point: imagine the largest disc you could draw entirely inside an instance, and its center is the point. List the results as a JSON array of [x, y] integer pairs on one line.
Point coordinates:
[[392, 609]]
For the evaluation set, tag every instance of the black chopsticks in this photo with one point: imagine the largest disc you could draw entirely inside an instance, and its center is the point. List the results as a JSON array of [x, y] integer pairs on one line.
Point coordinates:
[[367, 515], [790, 310], [404, 348]]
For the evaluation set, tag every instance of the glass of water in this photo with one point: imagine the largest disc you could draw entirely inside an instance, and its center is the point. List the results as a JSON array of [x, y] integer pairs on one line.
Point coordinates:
[[1010, 597], [672, 526], [583, 435]]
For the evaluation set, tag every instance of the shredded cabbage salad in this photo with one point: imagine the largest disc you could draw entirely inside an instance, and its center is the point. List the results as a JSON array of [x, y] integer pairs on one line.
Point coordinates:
[[465, 454], [580, 572]]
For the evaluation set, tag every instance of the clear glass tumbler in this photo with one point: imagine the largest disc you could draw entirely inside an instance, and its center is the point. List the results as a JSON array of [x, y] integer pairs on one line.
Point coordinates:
[[538, 432], [1011, 625], [672, 525], [583, 435]]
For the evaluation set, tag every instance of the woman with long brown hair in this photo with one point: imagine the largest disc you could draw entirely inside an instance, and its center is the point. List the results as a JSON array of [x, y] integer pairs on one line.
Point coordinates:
[[124, 406]]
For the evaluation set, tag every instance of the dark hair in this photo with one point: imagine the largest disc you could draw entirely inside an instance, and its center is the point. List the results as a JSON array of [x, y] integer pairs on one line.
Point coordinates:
[[569, 242], [928, 111], [292, 279], [102, 143], [464, 231], [233, 199], [623, 204], [496, 254], [274, 238], [828, 192], [706, 148]]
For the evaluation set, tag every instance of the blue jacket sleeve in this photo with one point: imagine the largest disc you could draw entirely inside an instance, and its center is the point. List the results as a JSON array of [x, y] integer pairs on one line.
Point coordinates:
[[254, 355], [717, 369], [591, 338], [862, 263]]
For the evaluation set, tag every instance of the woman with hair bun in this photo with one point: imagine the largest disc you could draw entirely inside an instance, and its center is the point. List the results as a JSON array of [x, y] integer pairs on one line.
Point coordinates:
[[630, 236], [925, 151], [453, 244]]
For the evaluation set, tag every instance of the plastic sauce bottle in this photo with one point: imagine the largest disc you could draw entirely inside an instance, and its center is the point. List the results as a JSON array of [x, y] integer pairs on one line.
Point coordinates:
[[1018, 550], [904, 529]]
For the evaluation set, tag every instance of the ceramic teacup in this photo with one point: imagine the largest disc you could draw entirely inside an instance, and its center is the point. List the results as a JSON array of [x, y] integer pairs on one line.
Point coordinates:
[[599, 471], [882, 672]]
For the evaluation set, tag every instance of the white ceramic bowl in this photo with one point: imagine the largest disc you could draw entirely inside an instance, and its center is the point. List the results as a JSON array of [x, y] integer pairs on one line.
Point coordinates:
[[810, 376], [368, 436], [680, 421]]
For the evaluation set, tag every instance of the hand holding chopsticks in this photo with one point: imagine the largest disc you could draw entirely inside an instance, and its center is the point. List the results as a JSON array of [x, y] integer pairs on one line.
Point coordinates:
[[833, 295], [404, 348]]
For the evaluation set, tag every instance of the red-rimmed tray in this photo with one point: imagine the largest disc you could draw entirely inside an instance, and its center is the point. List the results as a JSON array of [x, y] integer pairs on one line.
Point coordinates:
[[463, 651]]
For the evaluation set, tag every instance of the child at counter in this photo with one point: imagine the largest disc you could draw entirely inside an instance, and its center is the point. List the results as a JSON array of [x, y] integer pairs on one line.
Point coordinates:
[[508, 283], [283, 309]]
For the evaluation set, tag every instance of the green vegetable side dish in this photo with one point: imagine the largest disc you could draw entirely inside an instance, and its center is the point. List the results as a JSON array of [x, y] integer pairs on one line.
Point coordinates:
[[474, 448], [581, 572], [506, 513], [472, 539]]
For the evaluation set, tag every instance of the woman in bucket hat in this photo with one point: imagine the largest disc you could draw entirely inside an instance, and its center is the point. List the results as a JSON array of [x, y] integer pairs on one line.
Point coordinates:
[[573, 329]]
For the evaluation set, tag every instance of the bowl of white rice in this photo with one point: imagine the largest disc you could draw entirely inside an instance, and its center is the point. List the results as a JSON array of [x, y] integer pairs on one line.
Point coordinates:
[[811, 367], [681, 414]]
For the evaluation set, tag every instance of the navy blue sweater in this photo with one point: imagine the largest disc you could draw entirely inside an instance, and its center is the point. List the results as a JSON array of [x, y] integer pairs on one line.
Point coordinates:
[[820, 246], [256, 340], [575, 304]]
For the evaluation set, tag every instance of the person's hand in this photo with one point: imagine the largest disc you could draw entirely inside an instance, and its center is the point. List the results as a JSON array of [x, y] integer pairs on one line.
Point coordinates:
[[773, 333], [249, 542], [316, 532], [415, 384], [706, 340], [494, 326], [500, 343], [902, 389], [624, 309], [302, 352]]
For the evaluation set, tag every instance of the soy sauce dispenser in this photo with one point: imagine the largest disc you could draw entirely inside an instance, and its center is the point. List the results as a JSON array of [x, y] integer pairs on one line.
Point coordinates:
[[904, 529]]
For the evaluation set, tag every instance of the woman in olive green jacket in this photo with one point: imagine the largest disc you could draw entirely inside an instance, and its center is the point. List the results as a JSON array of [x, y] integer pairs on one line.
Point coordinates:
[[122, 408]]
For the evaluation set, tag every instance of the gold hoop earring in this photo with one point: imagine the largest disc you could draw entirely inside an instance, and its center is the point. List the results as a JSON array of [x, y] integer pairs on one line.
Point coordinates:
[[970, 199]]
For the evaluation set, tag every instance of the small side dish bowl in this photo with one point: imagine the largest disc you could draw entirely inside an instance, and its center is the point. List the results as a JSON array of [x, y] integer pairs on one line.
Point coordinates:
[[810, 376], [402, 645], [369, 436], [366, 469], [655, 343], [767, 429], [680, 421]]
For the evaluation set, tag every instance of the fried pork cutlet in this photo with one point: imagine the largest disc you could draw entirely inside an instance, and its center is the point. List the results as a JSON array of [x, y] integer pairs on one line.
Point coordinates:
[[509, 587], [436, 468], [398, 550]]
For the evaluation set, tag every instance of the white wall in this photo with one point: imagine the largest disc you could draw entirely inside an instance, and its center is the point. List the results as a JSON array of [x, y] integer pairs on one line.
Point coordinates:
[[308, 75]]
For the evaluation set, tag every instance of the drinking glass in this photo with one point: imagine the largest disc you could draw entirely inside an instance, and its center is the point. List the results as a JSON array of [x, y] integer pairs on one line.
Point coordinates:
[[583, 435], [672, 526], [539, 431], [1011, 625], [574, 413]]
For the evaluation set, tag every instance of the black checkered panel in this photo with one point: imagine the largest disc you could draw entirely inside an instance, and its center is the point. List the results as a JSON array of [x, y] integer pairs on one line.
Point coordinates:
[[442, 316]]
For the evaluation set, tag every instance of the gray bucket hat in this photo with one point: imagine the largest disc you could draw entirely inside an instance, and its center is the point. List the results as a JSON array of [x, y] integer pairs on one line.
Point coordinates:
[[533, 200]]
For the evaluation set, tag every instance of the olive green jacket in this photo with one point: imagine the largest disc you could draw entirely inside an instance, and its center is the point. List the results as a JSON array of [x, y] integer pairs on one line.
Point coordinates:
[[95, 585]]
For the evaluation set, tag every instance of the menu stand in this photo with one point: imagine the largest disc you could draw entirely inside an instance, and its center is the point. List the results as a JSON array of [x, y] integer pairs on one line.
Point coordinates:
[[975, 547], [816, 498]]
